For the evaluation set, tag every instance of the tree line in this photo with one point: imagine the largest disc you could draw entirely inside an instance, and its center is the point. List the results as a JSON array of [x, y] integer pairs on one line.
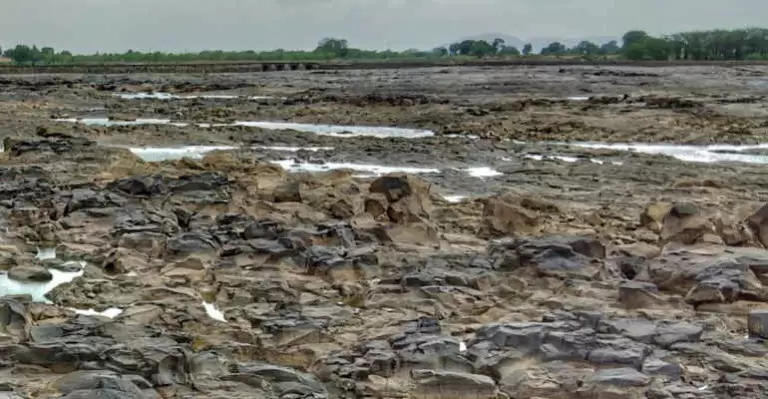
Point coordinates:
[[482, 48], [327, 49], [705, 45], [737, 44]]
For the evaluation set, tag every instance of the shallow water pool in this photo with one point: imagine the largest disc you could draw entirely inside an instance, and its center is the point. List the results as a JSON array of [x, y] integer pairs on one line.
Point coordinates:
[[169, 96], [568, 159], [155, 154], [159, 154], [483, 172], [369, 170], [36, 290], [319, 129], [690, 153], [213, 312], [107, 122], [111, 312], [340, 130], [455, 199]]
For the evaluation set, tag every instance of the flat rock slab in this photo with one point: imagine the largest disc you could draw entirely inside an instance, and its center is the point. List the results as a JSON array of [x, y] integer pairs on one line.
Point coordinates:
[[31, 273]]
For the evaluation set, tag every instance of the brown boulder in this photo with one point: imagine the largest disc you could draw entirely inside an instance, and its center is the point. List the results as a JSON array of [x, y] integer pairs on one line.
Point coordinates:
[[413, 233], [334, 195], [654, 214], [686, 224], [342, 209], [8, 142], [540, 205], [376, 205], [27, 216], [447, 384], [734, 234], [121, 261], [15, 320], [758, 222], [408, 198], [191, 270], [502, 218], [639, 295], [261, 180], [398, 186], [289, 191], [221, 161]]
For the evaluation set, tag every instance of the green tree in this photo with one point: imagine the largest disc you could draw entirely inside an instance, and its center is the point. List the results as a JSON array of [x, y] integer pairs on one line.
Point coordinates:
[[476, 48], [610, 48], [65, 57], [440, 51], [497, 44], [634, 52], [336, 47], [586, 48], [21, 54], [632, 37], [509, 51], [37, 56], [554, 48], [481, 48], [527, 49], [657, 49], [48, 55], [454, 49], [464, 47], [720, 44], [650, 48]]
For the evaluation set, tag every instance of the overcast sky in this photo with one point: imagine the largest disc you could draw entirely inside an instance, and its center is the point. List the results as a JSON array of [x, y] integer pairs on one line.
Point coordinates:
[[177, 25]]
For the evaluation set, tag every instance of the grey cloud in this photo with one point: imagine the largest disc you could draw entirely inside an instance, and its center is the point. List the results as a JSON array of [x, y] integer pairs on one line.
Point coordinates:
[[177, 25]]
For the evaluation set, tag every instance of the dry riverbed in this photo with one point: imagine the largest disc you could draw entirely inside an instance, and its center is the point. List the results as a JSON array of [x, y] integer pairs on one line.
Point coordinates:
[[534, 232]]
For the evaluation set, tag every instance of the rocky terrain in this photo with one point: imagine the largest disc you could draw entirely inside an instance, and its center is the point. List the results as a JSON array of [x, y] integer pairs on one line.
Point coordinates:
[[503, 243]]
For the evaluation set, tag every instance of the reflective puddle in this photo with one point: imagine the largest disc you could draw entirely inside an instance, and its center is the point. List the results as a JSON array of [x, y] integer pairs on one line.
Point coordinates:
[[341, 131], [213, 312], [46, 253], [160, 154], [169, 96], [370, 170], [37, 290], [483, 172], [293, 149], [690, 153], [455, 199], [108, 122], [151, 154], [111, 312], [569, 159], [319, 129]]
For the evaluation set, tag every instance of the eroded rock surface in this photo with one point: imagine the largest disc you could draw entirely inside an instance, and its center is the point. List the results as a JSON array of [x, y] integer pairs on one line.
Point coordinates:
[[554, 272]]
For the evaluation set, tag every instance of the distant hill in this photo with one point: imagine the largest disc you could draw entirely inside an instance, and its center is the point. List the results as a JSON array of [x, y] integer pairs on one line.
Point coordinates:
[[540, 42]]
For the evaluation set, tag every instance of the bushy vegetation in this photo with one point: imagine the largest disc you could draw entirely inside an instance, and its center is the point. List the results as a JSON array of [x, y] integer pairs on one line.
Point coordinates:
[[739, 44], [328, 49]]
